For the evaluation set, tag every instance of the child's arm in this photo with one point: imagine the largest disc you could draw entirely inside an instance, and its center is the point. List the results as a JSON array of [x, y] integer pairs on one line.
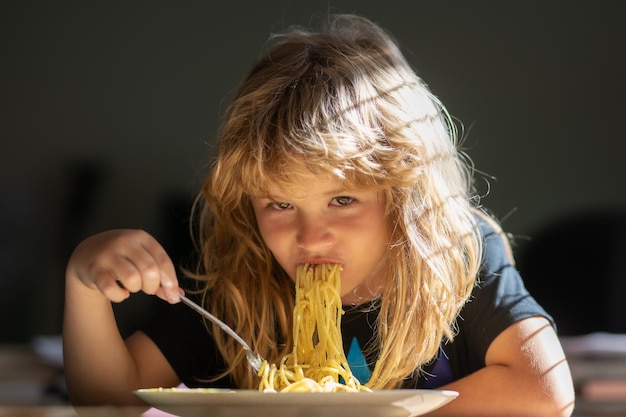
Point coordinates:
[[526, 374], [100, 367]]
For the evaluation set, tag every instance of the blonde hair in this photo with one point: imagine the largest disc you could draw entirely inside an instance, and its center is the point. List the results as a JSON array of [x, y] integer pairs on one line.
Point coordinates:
[[346, 102]]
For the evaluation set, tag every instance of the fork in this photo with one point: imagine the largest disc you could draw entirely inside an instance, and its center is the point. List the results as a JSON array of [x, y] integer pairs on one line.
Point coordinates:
[[254, 359]]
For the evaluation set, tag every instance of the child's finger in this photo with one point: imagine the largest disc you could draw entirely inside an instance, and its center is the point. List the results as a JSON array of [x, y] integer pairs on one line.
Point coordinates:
[[107, 283]]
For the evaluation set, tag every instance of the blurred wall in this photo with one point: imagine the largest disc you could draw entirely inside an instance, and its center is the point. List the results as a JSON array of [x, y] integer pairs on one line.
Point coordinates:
[[109, 111]]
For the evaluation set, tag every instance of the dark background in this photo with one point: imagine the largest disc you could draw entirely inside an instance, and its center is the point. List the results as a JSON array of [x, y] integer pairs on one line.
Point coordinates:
[[109, 111]]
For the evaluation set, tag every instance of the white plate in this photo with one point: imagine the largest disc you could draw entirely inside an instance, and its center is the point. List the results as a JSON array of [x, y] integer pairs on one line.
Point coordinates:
[[198, 402]]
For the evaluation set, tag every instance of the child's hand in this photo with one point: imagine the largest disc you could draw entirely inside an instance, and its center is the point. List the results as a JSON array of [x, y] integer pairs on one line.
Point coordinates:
[[120, 262]]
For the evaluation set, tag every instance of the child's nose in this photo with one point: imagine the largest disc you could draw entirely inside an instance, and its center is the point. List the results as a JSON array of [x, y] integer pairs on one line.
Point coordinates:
[[313, 233]]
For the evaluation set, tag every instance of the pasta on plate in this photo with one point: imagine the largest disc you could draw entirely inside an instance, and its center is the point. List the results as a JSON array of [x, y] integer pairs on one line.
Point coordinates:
[[317, 362]]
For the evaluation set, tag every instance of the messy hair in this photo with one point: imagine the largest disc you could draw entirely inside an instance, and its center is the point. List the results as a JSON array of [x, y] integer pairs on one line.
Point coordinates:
[[344, 101]]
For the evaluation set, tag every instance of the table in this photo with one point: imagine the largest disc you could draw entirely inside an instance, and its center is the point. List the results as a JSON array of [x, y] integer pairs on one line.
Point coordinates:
[[607, 409], [69, 411]]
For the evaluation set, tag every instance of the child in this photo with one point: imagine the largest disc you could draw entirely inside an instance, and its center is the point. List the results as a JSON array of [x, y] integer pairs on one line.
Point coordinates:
[[333, 151]]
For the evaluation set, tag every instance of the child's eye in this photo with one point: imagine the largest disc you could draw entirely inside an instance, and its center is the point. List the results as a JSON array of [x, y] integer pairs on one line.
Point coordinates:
[[280, 206], [342, 201]]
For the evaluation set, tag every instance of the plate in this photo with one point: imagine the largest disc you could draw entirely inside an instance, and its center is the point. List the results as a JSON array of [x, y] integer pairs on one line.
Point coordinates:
[[201, 402]]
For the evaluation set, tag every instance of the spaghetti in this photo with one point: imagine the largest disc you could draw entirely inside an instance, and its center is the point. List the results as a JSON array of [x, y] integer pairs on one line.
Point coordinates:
[[317, 362]]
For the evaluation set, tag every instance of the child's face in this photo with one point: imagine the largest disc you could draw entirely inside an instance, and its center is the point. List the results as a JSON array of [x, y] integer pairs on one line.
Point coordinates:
[[318, 220]]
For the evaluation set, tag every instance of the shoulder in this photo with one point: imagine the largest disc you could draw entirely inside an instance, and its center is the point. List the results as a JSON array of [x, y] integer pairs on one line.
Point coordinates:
[[496, 243], [499, 287], [499, 298]]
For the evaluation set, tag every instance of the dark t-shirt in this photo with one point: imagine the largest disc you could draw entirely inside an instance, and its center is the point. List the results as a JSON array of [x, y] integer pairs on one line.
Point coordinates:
[[498, 300]]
